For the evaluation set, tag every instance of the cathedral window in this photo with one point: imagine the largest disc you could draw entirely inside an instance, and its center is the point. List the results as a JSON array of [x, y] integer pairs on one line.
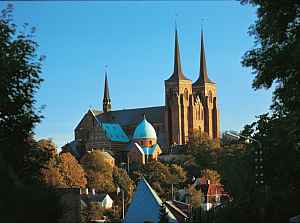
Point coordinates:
[[210, 97], [186, 94]]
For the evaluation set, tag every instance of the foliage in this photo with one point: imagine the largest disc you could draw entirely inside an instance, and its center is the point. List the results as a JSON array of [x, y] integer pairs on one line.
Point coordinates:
[[48, 146], [195, 197], [98, 172], [275, 58], [275, 62], [161, 177], [212, 175], [122, 180], [72, 173], [62, 170], [203, 150], [23, 199], [51, 176], [95, 161], [178, 174], [163, 215], [105, 178], [19, 80]]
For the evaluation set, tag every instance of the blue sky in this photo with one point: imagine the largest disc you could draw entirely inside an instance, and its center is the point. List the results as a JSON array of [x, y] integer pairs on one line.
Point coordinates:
[[136, 40]]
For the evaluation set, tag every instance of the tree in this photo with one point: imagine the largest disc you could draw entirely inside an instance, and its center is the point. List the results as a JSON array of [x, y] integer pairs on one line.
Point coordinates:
[[163, 214], [19, 78], [212, 175], [122, 180], [20, 158], [203, 150], [72, 173], [159, 177], [275, 58], [95, 161], [62, 170], [178, 175], [98, 171], [274, 61], [48, 146], [50, 175]]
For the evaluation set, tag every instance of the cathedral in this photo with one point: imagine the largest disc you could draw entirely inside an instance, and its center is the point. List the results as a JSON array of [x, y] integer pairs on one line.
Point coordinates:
[[189, 107]]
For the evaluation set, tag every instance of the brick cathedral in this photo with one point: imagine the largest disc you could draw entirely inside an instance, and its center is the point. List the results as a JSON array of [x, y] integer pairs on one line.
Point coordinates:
[[188, 107]]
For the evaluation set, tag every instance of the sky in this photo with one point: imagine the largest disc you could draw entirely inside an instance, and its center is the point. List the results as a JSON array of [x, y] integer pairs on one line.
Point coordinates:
[[136, 42]]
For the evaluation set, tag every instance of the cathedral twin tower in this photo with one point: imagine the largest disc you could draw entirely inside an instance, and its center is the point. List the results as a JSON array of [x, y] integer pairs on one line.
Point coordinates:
[[190, 107]]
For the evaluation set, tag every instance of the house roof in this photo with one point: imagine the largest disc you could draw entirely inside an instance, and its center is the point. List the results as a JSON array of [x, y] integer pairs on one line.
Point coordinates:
[[175, 208], [94, 197], [145, 205]]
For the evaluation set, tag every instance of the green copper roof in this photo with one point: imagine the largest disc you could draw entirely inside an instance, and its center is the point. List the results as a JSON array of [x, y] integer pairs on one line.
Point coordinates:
[[144, 130], [114, 132]]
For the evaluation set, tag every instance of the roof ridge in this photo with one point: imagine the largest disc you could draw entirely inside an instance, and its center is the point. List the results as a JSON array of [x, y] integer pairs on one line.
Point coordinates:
[[157, 198], [137, 108]]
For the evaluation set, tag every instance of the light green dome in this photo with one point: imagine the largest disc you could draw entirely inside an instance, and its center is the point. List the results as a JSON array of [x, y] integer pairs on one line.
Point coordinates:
[[144, 130]]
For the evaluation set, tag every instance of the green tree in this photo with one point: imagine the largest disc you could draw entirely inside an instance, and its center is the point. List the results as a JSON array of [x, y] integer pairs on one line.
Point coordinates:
[[203, 150], [178, 174], [122, 180], [274, 61], [20, 158]]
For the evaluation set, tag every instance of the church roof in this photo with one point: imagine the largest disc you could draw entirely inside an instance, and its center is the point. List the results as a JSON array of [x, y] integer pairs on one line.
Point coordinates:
[[114, 132], [177, 72], [144, 130], [133, 116], [203, 76], [145, 205]]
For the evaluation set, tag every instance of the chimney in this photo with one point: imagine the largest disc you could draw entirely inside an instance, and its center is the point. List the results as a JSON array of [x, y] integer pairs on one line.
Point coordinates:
[[86, 191], [93, 191]]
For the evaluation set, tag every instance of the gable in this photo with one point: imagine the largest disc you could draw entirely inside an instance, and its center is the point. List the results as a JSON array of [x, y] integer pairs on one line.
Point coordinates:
[[145, 205]]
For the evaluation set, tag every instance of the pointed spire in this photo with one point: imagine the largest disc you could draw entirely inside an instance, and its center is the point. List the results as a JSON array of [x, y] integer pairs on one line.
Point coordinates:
[[177, 73], [203, 76], [106, 99], [106, 89]]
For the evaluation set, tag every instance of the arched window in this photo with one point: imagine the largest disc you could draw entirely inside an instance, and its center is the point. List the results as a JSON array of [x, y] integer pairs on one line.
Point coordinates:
[[186, 94], [210, 97]]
